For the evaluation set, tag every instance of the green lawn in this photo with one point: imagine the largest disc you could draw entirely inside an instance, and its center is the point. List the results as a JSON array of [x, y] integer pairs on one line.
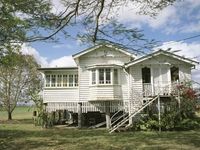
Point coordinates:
[[23, 135], [22, 112]]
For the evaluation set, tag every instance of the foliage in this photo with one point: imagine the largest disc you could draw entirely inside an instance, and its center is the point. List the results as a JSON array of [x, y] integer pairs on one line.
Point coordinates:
[[32, 20], [176, 115], [17, 75], [21, 19], [43, 118]]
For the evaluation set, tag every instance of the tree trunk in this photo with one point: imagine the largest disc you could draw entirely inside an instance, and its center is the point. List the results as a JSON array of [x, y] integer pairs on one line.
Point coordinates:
[[9, 115]]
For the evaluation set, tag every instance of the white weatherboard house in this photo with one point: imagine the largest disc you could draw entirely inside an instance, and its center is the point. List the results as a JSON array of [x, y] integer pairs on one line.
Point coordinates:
[[109, 79]]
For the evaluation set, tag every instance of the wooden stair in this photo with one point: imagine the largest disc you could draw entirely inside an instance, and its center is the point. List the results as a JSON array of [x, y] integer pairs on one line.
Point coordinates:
[[127, 117]]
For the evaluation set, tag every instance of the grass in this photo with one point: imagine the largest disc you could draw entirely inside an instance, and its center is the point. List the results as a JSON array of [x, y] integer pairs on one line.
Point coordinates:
[[21, 112], [22, 134]]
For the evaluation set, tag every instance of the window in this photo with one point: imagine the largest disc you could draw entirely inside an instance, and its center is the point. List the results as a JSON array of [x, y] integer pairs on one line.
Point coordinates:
[[174, 73], [101, 76], [146, 75], [59, 80], [105, 76], [115, 76], [48, 79], [76, 80], [108, 78], [53, 80], [71, 81], [93, 76], [65, 80]]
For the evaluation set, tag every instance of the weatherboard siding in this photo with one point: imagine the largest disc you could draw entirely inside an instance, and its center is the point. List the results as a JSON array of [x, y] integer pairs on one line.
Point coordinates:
[[99, 57], [124, 79], [184, 73], [136, 90], [60, 95]]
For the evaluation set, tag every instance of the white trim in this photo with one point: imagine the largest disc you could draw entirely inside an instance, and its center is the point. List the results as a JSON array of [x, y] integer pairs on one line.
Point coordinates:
[[161, 52], [103, 66], [102, 45]]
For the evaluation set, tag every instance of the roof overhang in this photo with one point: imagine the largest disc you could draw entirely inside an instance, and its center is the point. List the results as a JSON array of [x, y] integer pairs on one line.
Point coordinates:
[[161, 52], [58, 69], [118, 48], [104, 66]]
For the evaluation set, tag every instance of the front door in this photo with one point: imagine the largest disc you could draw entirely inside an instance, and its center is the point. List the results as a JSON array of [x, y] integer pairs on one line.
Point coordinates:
[[161, 84]]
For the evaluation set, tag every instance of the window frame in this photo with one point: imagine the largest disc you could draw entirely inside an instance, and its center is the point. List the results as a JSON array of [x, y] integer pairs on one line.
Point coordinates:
[[104, 76], [61, 80], [48, 84], [94, 76]]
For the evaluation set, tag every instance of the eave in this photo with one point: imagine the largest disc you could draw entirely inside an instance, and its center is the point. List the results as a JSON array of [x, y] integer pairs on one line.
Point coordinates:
[[58, 69], [122, 50], [172, 55]]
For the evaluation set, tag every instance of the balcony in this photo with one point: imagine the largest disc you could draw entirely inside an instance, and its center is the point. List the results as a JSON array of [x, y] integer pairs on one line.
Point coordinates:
[[164, 89]]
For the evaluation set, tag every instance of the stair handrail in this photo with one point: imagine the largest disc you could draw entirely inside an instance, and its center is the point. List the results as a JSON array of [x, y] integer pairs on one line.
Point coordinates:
[[122, 108], [132, 115], [123, 115]]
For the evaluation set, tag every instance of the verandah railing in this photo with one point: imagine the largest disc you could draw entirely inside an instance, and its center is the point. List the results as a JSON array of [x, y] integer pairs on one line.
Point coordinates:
[[164, 88]]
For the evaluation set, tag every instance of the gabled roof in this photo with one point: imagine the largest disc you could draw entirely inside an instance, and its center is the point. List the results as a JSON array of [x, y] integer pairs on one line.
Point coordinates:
[[116, 47], [159, 52]]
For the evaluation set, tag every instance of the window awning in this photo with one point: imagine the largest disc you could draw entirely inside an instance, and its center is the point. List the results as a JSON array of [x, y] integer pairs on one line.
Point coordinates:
[[103, 66]]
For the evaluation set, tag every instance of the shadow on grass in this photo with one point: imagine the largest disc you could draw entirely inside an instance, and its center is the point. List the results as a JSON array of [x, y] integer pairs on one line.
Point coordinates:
[[17, 121], [25, 136]]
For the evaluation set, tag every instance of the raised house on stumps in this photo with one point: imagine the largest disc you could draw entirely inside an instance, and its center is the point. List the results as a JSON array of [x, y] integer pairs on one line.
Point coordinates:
[[111, 85]]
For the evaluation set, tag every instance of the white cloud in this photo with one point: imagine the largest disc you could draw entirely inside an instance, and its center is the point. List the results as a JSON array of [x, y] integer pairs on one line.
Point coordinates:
[[62, 46], [166, 17], [57, 6], [174, 18], [179, 17], [191, 27], [191, 50], [66, 61], [28, 50]]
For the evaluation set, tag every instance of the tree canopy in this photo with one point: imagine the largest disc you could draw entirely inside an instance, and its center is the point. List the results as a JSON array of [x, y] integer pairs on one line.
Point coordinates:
[[92, 20], [18, 76]]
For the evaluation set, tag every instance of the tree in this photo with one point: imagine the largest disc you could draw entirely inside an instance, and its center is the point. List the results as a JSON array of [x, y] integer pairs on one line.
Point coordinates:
[[20, 17], [17, 74], [32, 20]]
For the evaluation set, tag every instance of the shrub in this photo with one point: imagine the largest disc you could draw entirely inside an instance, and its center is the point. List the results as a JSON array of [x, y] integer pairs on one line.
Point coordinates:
[[175, 116]]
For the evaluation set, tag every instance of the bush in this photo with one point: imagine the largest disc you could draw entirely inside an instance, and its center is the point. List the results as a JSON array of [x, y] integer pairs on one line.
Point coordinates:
[[175, 116]]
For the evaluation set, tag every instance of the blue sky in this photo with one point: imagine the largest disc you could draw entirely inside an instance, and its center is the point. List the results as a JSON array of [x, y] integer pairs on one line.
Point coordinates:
[[175, 22]]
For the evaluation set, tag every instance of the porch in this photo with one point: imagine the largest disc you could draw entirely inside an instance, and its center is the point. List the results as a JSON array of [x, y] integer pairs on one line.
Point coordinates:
[[163, 89]]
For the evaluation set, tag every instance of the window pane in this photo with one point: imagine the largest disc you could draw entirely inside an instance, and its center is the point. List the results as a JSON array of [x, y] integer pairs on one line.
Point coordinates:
[[70, 80], [76, 80], [65, 80], [47, 80], [108, 76], [101, 76], [174, 73], [93, 76], [59, 80], [53, 80], [146, 75], [115, 76]]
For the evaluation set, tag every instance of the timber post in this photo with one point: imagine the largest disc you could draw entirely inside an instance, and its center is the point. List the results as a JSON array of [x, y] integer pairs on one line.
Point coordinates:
[[107, 113], [159, 124], [79, 115]]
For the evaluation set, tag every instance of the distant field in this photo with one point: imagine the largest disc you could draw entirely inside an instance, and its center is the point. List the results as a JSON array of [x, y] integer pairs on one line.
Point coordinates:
[[21, 112], [23, 135]]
